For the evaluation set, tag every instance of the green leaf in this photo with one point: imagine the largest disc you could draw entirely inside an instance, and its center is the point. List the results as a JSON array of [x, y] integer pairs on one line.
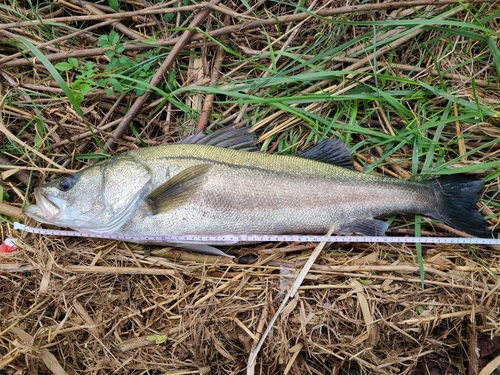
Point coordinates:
[[40, 134], [137, 135], [113, 4], [119, 48], [89, 65], [365, 282], [117, 86], [114, 63], [158, 339], [454, 99], [85, 88], [91, 156], [114, 38], [169, 17], [63, 66], [418, 245], [124, 61], [467, 168], [73, 99], [495, 52], [109, 53], [73, 62], [103, 41]]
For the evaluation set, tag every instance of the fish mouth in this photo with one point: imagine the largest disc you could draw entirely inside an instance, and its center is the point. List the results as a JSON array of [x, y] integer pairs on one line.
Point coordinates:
[[47, 206]]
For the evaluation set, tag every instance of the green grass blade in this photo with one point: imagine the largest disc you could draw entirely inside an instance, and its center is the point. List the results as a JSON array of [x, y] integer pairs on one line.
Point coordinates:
[[55, 74]]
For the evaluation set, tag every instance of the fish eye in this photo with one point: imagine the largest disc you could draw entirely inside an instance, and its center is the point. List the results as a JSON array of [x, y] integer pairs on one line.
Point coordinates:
[[66, 183]]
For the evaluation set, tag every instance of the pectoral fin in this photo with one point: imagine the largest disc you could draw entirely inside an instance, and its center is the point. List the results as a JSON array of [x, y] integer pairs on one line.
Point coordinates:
[[178, 191]]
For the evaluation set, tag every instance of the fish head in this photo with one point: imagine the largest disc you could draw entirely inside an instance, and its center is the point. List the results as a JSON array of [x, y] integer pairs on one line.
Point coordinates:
[[98, 199], [70, 201]]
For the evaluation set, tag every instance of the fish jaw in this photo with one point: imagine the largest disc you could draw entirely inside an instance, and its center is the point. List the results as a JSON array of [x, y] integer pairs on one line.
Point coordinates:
[[47, 207]]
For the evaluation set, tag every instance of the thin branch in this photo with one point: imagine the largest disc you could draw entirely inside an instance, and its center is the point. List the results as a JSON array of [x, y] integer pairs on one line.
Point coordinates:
[[125, 15], [216, 69], [20, 175], [159, 75], [223, 30], [132, 34]]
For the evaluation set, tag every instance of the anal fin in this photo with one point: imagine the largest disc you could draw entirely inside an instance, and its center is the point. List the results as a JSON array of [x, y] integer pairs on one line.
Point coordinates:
[[369, 227], [202, 249]]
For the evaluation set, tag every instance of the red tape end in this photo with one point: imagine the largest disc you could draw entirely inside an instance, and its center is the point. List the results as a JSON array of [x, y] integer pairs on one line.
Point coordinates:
[[8, 245]]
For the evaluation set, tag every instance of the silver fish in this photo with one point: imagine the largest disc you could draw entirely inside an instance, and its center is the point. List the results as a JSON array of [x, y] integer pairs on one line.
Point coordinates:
[[205, 189]]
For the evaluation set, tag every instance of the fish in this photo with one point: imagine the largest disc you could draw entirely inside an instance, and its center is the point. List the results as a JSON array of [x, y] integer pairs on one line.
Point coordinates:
[[221, 184]]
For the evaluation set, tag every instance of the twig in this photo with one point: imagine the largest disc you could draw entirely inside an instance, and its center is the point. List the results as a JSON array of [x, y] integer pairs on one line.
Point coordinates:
[[337, 88], [118, 270], [94, 328], [343, 269], [120, 26], [11, 211], [460, 136], [159, 9], [167, 64], [20, 175], [13, 138], [31, 311], [252, 25], [216, 68], [16, 267], [193, 257], [47, 357], [219, 32], [57, 40], [417, 321], [291, 292], [472, 347], [35, 42], [155, 19]]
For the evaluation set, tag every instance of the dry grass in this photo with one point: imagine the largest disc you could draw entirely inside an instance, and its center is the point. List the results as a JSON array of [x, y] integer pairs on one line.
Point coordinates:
[[97, 307], [361, 309]]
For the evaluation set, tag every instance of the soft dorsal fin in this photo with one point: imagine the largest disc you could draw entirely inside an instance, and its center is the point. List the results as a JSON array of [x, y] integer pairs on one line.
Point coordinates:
[[178, 190], [331, 151], [228, 137]]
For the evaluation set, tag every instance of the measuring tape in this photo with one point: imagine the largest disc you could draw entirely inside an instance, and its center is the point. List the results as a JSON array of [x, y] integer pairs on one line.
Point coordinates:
[[232, 239]]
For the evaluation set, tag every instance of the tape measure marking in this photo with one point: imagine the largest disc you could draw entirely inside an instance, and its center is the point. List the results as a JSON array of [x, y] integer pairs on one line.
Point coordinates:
[[232, 239]]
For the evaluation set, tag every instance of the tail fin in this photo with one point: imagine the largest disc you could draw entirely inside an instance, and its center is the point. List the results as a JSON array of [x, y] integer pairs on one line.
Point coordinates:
[[457, 196]]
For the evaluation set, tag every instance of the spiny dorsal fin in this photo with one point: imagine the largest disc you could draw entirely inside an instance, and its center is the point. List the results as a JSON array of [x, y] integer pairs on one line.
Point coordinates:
[[331, 151], [177, 191], [228, 137]]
